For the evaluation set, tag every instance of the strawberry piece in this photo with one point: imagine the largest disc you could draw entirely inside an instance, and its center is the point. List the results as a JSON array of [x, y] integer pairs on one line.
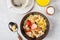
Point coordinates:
[[34, 26], [28, 22]]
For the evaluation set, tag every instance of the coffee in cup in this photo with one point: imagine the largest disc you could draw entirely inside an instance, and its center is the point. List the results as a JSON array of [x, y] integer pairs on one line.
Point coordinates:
[[19, 3]]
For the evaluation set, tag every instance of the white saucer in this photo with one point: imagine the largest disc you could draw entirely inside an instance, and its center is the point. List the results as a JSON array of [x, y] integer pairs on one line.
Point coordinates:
[[13, 9]]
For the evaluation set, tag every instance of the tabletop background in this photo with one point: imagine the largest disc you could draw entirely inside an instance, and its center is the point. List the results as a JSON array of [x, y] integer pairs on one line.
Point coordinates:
[[6, 16]]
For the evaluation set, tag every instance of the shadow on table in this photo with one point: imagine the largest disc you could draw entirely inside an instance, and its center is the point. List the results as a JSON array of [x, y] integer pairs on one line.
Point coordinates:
[[52, 27], [53, 1], [56, 5]]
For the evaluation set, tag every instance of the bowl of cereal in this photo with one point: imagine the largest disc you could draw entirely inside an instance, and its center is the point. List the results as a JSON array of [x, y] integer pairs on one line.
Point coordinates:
[[34, 26]]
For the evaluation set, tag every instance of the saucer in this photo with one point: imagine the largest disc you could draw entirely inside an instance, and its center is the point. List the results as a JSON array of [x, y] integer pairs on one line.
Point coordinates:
[[13, 9]]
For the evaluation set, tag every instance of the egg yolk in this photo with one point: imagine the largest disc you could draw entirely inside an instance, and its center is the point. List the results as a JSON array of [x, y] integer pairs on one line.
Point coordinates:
[[43, 2]]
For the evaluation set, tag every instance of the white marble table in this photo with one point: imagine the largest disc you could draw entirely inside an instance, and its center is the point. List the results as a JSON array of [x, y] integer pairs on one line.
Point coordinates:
[[6, 16]]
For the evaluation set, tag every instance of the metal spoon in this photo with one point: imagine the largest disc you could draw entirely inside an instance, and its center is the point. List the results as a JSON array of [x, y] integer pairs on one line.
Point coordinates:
[[12, 24]]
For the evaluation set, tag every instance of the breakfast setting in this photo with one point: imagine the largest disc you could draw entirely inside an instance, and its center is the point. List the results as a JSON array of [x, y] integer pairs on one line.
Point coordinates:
[[29, 20]]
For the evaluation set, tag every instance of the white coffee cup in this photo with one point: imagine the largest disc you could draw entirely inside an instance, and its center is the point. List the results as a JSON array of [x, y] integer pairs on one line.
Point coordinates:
[[20, 3]]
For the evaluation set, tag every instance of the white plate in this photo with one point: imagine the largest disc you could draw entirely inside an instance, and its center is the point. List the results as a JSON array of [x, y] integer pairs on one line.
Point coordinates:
[[13, 9]]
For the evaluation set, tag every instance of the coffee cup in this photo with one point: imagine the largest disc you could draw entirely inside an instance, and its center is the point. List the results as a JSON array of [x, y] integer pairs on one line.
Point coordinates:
[[20, 3]]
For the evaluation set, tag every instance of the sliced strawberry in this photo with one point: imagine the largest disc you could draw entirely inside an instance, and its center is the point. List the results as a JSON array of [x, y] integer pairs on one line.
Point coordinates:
[[28, 22], [34, 26]]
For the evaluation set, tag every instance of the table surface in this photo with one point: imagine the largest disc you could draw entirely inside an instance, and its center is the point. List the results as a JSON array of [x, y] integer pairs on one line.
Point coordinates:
[[6, 16]]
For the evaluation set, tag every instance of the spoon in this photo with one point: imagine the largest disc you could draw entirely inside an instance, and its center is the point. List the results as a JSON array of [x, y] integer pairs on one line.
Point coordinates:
[[14, 28]]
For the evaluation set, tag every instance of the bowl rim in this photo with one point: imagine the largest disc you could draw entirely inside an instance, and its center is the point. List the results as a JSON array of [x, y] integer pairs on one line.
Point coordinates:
[[22, 30]]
